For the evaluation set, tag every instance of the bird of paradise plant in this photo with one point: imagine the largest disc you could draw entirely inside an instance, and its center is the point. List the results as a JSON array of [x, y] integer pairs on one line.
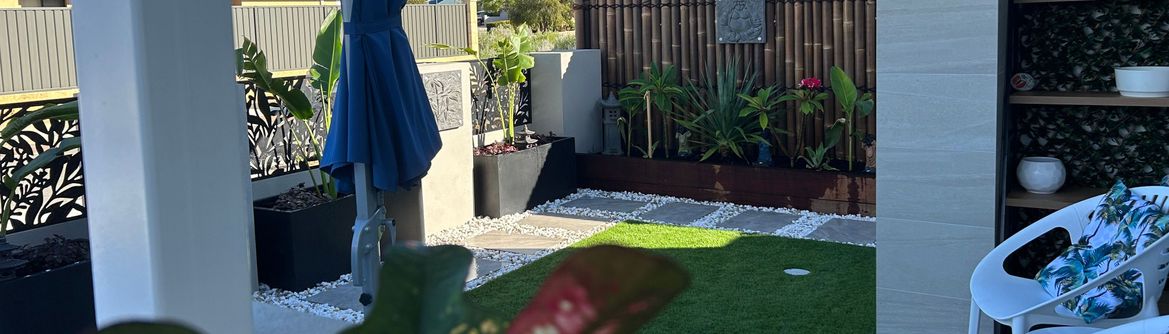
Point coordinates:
[[252, 64]]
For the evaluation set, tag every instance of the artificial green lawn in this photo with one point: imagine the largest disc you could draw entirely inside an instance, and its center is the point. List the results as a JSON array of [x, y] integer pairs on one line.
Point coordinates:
[[738, 282]]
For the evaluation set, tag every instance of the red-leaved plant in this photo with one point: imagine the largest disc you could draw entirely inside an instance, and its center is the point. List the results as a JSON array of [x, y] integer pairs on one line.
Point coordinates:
[[604, 289]]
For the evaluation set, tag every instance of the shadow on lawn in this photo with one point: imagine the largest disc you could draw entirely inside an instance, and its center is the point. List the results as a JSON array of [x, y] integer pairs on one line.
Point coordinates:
[[738, 281]]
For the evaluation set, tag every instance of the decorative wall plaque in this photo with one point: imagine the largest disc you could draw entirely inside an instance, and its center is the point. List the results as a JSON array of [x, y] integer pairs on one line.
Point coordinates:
[[446, 98], [740, 21]]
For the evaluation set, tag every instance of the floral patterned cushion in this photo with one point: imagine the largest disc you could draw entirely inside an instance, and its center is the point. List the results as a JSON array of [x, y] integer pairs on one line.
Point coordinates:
[[1120, 227]]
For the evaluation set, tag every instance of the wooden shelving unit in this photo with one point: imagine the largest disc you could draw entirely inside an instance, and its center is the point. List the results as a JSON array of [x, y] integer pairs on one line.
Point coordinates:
[[1086, 99], [1020, 198]]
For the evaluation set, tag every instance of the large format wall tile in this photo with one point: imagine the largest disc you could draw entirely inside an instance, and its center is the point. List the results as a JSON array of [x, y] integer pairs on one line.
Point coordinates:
[[941, 112], [949, 187], [953, 252], [914, 36], [900, 312]]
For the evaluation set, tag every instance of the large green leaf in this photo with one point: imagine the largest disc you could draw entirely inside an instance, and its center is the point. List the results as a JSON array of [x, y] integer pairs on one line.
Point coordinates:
[[63, 111], [421, 292], [43, 159], [603, 289], [844, 90], [255, 68], [147, 328], [326, 67]]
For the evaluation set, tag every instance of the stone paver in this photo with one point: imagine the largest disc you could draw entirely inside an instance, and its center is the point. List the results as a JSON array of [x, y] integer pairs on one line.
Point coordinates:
[[846, 230], [561, 222], [482, 267], [760, 221], [515, 243], [343, 297], [606, 204], [679, 213], [272, 319]]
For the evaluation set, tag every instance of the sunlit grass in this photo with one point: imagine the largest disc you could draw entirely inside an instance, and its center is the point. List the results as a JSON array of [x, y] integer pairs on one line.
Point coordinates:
[[739, 285]]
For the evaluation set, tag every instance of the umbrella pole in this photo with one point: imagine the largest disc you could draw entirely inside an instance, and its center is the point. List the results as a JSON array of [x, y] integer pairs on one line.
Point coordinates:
[[367, 231]]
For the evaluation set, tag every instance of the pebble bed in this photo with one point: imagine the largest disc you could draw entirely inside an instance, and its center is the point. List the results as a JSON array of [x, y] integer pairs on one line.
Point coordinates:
[[807, 223]]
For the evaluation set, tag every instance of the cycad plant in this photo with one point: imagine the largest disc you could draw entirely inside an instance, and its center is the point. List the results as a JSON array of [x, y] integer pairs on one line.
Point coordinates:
[[657, 91], [323, 76], [715, 117], [853, 106]]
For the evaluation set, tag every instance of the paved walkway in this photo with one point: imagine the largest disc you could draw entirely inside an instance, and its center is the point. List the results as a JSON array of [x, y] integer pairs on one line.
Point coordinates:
[[504, 244]]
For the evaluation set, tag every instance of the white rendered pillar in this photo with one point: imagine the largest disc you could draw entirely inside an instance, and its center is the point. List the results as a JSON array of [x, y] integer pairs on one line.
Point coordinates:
[[165, 153]]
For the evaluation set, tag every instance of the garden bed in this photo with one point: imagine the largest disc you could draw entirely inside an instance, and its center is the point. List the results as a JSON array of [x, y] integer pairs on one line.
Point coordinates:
[[830, 192]]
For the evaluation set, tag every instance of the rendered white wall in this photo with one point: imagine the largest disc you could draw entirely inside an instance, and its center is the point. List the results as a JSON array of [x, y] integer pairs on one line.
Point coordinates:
[[566, 89], [167, 184]]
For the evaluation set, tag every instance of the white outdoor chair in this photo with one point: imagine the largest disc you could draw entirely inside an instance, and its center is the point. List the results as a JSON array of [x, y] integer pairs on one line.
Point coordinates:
[[1021, 303]]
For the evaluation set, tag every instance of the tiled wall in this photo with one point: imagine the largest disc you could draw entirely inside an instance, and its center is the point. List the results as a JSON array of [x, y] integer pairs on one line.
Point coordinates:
[[938, 73]]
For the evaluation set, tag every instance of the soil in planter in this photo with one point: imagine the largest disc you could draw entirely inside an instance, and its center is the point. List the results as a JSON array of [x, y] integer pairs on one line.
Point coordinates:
[[299, 198], [505, 148], [56, 252]]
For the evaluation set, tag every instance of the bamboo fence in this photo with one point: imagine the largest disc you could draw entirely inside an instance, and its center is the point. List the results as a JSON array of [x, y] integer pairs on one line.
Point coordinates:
[[805, 38]]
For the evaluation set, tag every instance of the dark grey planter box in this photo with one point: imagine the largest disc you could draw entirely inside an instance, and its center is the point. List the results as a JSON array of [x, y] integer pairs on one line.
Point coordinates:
[[295, 250], [54, 301], [514, 182]]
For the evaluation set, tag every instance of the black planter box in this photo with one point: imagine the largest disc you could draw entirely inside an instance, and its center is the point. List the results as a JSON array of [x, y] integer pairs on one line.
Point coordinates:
[[295, 250], [514, 182], [55, 301]]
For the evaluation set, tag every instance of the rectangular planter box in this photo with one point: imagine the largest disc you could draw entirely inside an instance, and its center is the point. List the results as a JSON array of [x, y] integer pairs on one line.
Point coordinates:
[[829, 192], [514, 182], [55, 301], [296, 250]]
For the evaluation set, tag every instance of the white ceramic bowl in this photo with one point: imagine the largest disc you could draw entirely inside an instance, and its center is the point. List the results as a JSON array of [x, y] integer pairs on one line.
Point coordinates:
[[1041, 175], [1143, 81]]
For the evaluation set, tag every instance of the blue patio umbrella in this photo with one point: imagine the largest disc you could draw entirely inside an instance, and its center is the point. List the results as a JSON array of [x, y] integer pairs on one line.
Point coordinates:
[[383, 134]]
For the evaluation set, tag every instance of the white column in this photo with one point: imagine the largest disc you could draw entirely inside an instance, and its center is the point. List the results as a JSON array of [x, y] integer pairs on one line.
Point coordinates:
[[166, 168]]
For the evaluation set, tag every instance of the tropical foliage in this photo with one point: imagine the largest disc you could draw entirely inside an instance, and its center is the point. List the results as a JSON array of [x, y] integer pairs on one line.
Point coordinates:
[[603, 289], [323, 76], [657, 91], [1122, 226], [715, 114], [8, 183], [512, 56], [854, 107], [766, 105], [809, 98]]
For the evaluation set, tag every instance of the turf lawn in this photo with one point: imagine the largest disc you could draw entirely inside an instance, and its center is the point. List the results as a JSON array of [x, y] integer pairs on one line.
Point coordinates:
[[738, 282]]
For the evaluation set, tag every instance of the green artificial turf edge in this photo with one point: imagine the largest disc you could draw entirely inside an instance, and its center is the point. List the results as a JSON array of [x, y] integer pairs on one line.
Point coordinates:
[[738, 281]]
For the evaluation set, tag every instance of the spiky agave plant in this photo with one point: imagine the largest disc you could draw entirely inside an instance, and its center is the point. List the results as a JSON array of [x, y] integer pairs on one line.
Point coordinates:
[[715, 116]]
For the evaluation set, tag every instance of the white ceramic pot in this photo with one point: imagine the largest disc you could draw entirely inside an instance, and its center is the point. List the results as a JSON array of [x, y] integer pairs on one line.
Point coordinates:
[[1143, 81], [1041, 175]]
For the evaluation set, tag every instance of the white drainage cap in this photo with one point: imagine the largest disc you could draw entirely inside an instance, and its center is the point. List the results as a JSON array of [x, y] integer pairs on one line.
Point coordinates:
[[796, 271]]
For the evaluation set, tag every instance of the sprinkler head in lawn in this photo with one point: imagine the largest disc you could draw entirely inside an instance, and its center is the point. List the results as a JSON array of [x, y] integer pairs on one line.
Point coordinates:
[[796, 271]]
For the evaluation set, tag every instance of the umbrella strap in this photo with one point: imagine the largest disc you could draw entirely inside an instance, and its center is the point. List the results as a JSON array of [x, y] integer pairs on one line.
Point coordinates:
[[365, 28]]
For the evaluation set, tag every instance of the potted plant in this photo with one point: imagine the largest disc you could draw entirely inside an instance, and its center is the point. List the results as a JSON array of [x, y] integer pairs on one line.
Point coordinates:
[[35, 279], [523, 170], [303, 236]]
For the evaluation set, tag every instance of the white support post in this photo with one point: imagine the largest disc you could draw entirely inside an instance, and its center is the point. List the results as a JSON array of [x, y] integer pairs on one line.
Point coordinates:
[[166, 172]]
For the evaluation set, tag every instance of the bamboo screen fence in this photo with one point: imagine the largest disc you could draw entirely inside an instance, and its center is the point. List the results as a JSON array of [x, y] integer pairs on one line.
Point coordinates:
[[804, 38]]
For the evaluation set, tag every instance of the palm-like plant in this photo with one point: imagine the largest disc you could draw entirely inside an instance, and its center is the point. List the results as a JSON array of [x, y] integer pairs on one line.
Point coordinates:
[[657, 89], [715, 117], [323, 76], [765, 105]]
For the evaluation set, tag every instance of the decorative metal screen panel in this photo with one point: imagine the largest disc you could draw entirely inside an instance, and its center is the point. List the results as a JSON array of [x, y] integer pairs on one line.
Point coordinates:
[[279, 143], [484, 110], [52, 194]]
